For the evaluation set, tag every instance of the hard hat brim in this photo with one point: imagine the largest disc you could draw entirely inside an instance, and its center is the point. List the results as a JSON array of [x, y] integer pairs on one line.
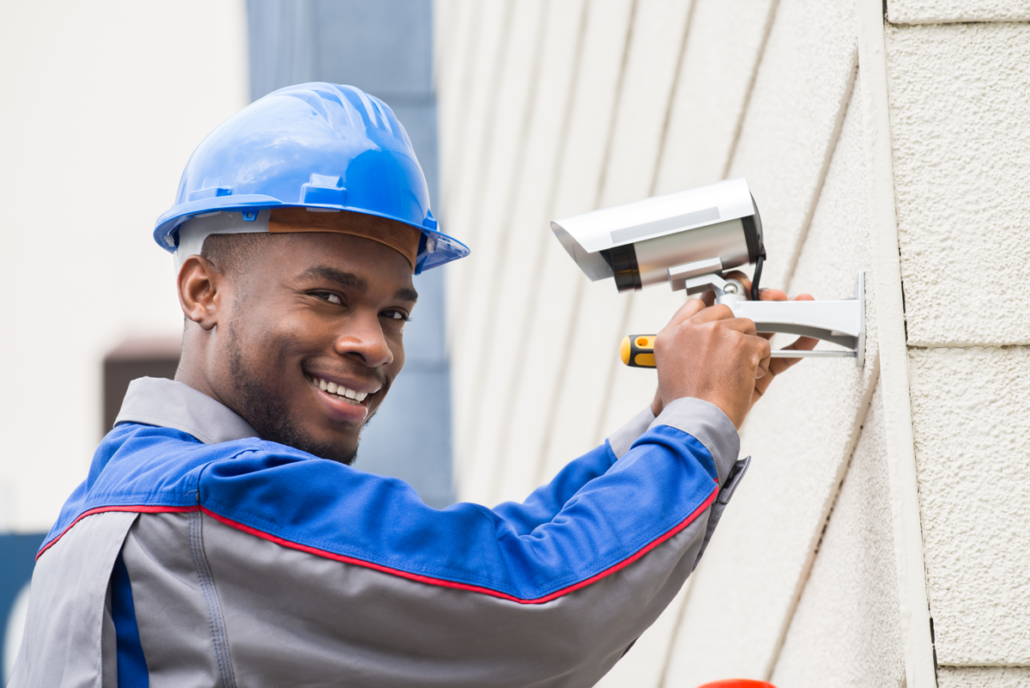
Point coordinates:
[[435, 249]]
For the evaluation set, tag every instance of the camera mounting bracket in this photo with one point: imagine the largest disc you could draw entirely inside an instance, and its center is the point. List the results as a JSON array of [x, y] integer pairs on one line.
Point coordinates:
[[838, 322]]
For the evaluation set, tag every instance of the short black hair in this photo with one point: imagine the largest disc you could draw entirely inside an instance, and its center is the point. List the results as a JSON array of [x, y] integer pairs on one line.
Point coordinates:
[[232, 253]]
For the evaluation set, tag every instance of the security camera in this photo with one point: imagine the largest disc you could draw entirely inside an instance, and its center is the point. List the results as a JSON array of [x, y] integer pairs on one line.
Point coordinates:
[[688, 239], [667, 238]]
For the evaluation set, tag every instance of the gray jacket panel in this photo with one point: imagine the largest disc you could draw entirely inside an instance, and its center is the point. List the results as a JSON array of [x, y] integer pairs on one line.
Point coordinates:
[[178, 615], [293, 618], [69, 636]]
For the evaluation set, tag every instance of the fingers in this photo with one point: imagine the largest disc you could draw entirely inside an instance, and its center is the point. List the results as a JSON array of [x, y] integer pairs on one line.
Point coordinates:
[[762, 353], [801, 344], [688, 310], [771, 295]]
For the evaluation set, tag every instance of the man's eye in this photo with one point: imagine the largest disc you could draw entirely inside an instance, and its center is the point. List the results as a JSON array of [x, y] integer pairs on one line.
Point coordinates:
[[396, 315], [329, 296]]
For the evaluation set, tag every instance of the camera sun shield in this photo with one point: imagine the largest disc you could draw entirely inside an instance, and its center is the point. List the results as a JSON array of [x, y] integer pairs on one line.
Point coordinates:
[[638, 243]]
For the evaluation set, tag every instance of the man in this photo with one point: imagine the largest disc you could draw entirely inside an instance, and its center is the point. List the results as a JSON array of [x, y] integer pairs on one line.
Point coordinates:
[[221, 537]]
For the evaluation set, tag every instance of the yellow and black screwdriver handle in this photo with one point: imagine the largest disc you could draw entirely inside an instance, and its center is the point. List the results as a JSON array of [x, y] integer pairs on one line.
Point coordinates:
[[637, 351]]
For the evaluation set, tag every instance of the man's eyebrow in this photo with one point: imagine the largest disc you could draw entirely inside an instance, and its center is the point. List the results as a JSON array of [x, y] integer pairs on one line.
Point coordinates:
[[349, 279], [406, 294], [345, 279]]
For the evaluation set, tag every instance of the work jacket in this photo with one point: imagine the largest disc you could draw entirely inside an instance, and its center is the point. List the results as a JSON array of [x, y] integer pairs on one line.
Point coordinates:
[[196, 554]]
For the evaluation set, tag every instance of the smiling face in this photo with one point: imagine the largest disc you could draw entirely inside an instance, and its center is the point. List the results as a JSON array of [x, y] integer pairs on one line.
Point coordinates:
[[303, 338]]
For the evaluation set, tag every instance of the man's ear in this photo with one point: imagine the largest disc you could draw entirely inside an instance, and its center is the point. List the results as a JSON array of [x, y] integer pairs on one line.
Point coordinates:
[[199, 295]]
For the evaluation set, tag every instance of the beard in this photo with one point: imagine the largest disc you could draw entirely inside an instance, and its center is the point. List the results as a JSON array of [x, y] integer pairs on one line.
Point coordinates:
[[262, 405]]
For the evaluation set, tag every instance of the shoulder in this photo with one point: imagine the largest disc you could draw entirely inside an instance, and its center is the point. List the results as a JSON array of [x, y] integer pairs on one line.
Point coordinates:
[[148, 468]]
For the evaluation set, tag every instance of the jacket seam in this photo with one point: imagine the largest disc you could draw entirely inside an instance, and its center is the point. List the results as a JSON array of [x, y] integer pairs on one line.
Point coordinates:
[[442, 582], [258, 523], [218, 634]]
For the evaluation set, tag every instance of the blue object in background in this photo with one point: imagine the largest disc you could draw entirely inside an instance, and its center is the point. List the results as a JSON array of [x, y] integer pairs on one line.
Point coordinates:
[[17, 558], [385, 48]]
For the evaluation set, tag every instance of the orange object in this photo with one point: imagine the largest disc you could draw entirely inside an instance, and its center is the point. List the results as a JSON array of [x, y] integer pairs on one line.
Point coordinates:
[[637, 350]]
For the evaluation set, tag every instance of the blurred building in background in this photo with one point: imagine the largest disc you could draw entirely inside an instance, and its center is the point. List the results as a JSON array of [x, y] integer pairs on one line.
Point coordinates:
[[101, 104], [859, 139]]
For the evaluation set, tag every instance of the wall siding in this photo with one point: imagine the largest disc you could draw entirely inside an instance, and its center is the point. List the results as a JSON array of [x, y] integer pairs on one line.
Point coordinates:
[[529, 237], [801, 437], [637, 98], [845, 631], [651, 62], [576, 190]]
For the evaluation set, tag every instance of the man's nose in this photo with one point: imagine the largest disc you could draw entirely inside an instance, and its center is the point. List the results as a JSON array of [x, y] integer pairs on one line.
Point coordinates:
[[364, 337]]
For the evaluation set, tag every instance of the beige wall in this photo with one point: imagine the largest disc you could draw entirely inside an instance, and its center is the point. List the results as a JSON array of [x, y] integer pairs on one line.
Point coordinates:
[[878, 497], [101, 105], [959, 99]]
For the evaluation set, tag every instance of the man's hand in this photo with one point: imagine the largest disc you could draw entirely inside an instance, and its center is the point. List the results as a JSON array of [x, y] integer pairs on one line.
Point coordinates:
[[708, 354], [776, 365], [769, 369]]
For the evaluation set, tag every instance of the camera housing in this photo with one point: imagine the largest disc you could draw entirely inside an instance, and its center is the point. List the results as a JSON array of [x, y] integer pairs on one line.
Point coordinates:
[[667, 238]]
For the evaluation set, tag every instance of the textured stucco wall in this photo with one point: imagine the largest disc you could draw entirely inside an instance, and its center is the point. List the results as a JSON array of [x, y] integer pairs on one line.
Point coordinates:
[[972, 447], [955, 11], [959, 97], [627, 99], [983, 677]]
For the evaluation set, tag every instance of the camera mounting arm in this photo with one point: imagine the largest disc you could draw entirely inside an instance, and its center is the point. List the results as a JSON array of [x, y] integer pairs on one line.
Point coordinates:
[[838, 322]]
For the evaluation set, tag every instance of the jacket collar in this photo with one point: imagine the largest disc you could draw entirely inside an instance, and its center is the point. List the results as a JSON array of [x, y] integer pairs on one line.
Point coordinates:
[[170, 404]]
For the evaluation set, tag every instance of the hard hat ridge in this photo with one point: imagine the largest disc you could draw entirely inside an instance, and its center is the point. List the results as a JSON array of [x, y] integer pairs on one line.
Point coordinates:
[[320, 146]]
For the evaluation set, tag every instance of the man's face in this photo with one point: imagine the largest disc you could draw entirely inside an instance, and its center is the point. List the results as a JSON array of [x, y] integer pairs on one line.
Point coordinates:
[[314, 338]]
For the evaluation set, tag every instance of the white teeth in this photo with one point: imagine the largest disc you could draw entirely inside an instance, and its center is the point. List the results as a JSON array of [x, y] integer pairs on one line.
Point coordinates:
[[338, 390]]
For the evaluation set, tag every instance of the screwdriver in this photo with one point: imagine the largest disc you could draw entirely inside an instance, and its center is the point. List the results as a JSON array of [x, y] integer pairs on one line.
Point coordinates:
[[637, 350]]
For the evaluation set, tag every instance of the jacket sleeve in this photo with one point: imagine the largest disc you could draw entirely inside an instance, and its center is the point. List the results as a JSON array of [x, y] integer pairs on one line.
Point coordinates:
[[545, 502], [549, 592]]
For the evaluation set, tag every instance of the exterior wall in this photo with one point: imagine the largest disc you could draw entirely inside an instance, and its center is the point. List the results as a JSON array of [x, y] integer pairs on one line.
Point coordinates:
[[959, 99], [956, 11], [623, 100], [854, 639], [874, 529], [101, 108]]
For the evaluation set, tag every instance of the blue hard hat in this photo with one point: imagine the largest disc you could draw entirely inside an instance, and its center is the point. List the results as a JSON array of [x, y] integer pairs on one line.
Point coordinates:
[[314, 145]]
